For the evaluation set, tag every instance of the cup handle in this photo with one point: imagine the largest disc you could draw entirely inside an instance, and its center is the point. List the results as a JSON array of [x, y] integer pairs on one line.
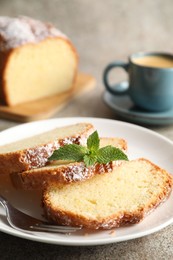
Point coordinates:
[[119, 88]]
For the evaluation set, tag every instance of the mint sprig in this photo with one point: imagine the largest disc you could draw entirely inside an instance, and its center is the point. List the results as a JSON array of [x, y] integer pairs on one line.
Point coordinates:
[[91, 154]]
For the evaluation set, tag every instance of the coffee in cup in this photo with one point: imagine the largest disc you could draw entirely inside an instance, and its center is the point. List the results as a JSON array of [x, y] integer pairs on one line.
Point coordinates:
[[150, 80], [154, 61]]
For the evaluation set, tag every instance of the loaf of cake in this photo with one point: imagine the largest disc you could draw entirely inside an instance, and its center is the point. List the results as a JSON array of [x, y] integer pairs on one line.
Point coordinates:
[[36, 60], [121, 197], [33, 152], [64, 172]]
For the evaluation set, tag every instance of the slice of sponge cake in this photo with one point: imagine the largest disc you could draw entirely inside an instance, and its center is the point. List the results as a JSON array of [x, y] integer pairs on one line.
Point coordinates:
[[33, 152], [65, 172], [121, 197]]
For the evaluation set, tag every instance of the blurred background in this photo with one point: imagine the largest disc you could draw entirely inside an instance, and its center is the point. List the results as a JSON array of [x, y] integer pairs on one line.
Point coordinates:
[[102, 31]]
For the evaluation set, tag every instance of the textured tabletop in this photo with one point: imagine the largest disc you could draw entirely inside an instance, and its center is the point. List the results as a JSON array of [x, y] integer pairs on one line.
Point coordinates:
[[102, 31]]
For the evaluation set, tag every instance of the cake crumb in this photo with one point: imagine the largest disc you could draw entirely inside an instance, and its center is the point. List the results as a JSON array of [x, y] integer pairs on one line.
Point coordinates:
[[112, 232]]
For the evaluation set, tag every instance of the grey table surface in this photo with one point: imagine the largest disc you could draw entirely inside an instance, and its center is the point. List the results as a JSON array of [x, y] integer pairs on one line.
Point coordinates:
[[102, 31]]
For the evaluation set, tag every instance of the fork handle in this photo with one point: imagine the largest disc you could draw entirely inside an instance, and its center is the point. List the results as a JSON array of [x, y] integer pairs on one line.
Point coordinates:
[[3, 200]]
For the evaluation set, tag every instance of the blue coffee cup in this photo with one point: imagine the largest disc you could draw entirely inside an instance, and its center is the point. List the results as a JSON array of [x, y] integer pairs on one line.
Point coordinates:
[[150, 84]]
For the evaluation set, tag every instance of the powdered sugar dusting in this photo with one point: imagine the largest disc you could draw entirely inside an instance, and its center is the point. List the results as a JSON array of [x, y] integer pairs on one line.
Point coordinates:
[[38, 156], [77, 173], [21, 30], [72, 140]]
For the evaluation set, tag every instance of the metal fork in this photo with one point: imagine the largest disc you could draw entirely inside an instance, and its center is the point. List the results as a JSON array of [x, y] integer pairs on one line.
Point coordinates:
[[23, 222]]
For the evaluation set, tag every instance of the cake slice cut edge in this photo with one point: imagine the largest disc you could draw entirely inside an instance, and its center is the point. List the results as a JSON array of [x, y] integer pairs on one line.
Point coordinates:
[[119, 198], [36, 60], [42, 75]]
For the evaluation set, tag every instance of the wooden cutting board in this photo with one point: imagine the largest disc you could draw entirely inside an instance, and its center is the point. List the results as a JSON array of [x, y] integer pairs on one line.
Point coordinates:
[[44, 108]]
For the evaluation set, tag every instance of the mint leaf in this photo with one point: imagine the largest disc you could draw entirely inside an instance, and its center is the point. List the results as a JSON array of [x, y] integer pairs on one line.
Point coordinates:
[[110, 153], [90, 154], [93, 142], [72, 152], [90, 160]]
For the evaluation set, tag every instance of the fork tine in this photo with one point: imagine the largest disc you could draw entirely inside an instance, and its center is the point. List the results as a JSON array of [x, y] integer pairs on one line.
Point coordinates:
[[55, 229]]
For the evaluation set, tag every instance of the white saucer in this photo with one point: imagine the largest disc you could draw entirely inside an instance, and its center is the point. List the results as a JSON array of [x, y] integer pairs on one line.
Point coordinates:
[[124, 107]]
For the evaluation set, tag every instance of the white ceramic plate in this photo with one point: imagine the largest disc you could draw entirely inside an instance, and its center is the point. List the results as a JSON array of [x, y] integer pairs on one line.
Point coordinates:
[[142, 143]]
